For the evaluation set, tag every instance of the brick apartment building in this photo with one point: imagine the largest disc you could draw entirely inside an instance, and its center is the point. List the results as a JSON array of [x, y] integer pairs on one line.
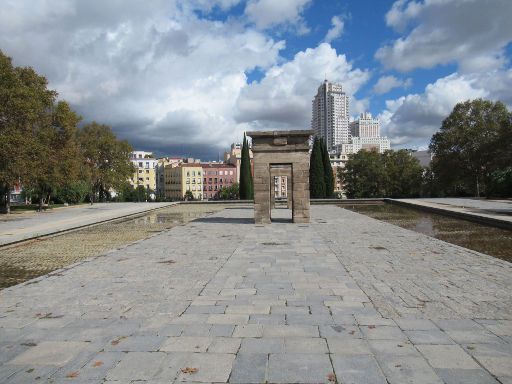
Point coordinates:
[[216, 176]]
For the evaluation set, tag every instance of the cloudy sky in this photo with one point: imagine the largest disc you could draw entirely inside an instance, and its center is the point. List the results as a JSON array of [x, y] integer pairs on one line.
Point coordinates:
[[188, 77]]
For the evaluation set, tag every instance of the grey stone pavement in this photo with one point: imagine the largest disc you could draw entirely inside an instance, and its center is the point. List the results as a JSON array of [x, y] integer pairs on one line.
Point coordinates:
[[496, 210], [344, 299], [17, 227]]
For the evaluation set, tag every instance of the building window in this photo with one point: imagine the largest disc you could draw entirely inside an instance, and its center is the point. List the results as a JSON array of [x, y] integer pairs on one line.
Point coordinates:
[[140, 164]]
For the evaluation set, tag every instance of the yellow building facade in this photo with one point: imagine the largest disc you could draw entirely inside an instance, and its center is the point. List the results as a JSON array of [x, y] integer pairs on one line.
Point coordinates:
[[183, 178]]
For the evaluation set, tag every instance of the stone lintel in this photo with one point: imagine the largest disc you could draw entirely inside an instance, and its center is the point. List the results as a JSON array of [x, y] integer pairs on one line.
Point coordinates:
[[272, 134]]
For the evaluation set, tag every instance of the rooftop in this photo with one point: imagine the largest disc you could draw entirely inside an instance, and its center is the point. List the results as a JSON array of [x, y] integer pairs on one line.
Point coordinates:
[[217, 165]]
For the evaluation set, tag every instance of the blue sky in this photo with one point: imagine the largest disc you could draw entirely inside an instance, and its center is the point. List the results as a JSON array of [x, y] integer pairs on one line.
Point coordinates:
[[188, 77]]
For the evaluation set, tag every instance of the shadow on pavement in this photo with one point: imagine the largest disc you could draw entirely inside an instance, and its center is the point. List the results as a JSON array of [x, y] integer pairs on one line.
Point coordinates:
[[225, 220]]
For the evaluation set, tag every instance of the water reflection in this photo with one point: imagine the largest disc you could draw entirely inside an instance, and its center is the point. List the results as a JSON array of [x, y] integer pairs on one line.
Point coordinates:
[[30, 259], [482, 238], [168, 218]]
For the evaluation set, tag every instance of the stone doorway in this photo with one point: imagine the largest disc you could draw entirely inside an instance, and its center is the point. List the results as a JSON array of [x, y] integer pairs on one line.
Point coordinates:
[[281, 153], [281, 196]]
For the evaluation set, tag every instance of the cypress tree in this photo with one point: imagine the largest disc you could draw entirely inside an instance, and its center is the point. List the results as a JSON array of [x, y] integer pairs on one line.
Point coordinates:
[[316, 172], [328, 175], [246, 185]]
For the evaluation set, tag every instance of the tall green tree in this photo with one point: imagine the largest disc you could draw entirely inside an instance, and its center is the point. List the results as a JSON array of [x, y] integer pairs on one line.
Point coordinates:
[[25, 102], [246, 182], [60, 153], [316, 171], [473, 144], [106, 160], [370, 174], [364, 175], [403, 174], [328, 174]]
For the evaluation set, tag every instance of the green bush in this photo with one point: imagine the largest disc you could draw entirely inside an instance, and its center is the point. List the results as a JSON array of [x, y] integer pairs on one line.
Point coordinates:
[[73, 193], [229, 193]]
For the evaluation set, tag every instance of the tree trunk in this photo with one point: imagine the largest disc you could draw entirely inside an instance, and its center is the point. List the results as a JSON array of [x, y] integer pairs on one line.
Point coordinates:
[[8, 200], [6, 208], [41, 202]]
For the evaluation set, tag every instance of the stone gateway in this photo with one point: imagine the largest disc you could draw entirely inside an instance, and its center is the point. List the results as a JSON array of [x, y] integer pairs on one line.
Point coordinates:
[[281, 153]]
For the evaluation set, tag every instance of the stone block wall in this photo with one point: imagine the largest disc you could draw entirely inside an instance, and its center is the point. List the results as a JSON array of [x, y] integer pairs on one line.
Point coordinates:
[[290, 148]]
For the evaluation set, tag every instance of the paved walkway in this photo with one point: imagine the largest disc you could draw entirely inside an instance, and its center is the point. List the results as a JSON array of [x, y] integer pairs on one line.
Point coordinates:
[[29, 225], [345, 299], [493, 211]]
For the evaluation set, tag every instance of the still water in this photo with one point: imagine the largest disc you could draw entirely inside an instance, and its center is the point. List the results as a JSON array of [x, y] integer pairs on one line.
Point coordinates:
[[482, 238]]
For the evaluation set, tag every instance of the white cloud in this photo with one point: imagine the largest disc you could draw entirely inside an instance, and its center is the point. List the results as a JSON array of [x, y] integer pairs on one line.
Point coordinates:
[[282, 99], [387, 83], [471, 33], [412, 120], [268, 13], [336, 29], [164, 78]]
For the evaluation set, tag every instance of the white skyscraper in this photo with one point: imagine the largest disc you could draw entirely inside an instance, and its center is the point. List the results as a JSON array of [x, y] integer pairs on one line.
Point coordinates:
[[365, 126], [331, 114]]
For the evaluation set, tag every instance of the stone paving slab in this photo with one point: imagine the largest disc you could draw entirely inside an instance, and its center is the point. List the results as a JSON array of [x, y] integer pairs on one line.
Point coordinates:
[[344, 299]]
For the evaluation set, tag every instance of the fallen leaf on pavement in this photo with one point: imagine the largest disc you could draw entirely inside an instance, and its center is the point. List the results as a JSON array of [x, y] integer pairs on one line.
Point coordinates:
[[118, 340], [97, 364], [331, 377], [72, 374], [189, 370]]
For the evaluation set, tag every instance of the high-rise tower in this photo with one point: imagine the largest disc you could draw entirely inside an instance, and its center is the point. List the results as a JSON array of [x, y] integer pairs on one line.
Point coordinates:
[[331, 114], [365, 126]]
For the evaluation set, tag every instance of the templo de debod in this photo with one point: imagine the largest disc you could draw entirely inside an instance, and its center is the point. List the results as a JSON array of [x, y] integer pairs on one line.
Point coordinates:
[[281, 153]]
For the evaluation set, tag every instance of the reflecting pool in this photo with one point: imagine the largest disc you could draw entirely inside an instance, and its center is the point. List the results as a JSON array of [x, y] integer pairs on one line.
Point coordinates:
[[482, 238]]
